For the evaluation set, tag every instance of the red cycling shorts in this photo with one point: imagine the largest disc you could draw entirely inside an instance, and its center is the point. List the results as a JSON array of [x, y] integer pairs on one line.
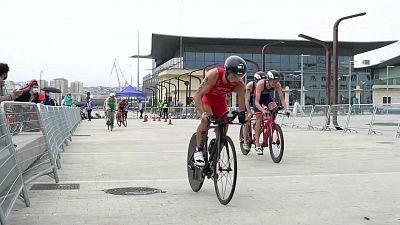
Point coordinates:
[[216, 103]]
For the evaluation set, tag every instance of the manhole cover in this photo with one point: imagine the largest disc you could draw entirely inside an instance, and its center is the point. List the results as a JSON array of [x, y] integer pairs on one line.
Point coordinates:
[[384, 142], [55, 187], [133, 191]]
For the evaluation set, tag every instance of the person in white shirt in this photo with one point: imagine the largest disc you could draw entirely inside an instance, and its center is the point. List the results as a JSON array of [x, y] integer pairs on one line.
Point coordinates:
[[140, 105]]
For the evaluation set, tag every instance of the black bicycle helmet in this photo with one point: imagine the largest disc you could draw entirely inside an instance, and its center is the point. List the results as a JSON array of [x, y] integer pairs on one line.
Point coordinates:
[[273, 75], [260, 75], [236, 65]]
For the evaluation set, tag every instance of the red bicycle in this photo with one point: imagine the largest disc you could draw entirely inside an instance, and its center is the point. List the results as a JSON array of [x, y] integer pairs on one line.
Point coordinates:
[[272, 135], [121, 118]]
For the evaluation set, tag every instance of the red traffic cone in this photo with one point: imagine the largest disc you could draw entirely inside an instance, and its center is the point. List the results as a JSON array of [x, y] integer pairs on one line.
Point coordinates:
[[169, 120], [154, 118], [165, 119], [159, 118], [145, 119]]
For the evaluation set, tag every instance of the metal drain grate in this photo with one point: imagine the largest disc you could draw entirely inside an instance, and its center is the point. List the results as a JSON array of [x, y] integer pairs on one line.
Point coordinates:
[[55, 187], [384, 142], [133, 191]]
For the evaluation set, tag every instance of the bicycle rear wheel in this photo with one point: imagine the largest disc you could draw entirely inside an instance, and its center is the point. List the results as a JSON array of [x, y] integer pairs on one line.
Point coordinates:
[[124, 121], [119, 122], [225, 171], [241, 138], [195, 176], [276, 143]]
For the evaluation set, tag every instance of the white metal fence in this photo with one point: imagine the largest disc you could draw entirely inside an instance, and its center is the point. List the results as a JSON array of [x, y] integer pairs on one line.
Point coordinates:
[[32, 136], [374, 119]]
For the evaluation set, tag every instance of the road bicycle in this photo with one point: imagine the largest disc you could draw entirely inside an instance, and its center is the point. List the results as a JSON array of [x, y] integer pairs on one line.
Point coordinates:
[[272, 135], [220, 160]]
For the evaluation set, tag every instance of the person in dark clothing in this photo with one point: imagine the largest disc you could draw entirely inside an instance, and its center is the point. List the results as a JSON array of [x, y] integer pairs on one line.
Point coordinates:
[[48, 100], [30, 95], [165, 109], [4, 96], [89, 108], [140, 106]]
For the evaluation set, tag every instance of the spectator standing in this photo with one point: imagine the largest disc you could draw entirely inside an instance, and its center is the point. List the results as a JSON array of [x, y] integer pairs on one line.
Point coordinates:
[[67, 101], [48, 100], [89, 108], [30, 94], [4, 96], [140, 106], [160, 107], [165, 109]]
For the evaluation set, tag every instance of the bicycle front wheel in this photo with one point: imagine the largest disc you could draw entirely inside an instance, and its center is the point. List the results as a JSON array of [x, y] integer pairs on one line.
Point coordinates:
[[119, 122], [125, 122], [225, 171], [194, 173], [276, 143]]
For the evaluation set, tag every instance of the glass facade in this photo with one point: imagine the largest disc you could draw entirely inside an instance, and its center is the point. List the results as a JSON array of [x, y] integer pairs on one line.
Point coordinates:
[[290, 66]]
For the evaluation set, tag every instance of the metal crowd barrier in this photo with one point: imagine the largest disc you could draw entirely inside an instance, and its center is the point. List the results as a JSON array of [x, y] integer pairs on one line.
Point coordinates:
[[376, 119], [175, 112], [301, 116], [359, 117], [12, 184], [385, 119], [28, 137], [319, 117], [342, 112], [30, 142]]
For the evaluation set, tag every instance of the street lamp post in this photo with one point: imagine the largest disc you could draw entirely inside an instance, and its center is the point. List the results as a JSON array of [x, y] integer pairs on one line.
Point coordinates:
[[204, 69], [190, 80], [350, 81], [362, 90], [40, 80], [387, 83], [327, 48], [154, 94], [158, 92], [169, 89], [302, 80], [263, 51], [335, 52]]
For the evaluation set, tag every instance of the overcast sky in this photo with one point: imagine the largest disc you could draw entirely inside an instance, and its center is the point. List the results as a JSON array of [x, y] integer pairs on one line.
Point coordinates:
[[79, 39]]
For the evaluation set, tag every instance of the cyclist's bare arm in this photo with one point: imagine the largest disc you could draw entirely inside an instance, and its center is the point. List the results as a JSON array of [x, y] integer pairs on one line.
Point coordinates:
[[241, 92], [249, 90], [259, 89], [208, 82], [278, 90], [105, 105]]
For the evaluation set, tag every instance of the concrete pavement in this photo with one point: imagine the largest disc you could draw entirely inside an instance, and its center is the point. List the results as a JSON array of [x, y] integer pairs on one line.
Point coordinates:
[[325, 177]]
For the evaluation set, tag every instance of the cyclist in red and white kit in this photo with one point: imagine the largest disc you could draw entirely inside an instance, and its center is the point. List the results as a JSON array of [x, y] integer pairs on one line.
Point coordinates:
[[210, 98]]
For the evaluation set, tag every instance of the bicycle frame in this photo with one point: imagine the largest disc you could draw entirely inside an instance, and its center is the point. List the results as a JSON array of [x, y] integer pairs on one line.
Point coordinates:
[[119, 115], [213, 156], [213, 152], [266, 123]]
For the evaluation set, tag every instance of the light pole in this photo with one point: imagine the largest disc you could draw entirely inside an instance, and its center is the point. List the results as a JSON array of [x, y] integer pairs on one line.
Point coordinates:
[[327, 47], [387, 83], [263, 51], [302, 80], [40, 80], [350, 62], [362, 89], [335, 56]]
